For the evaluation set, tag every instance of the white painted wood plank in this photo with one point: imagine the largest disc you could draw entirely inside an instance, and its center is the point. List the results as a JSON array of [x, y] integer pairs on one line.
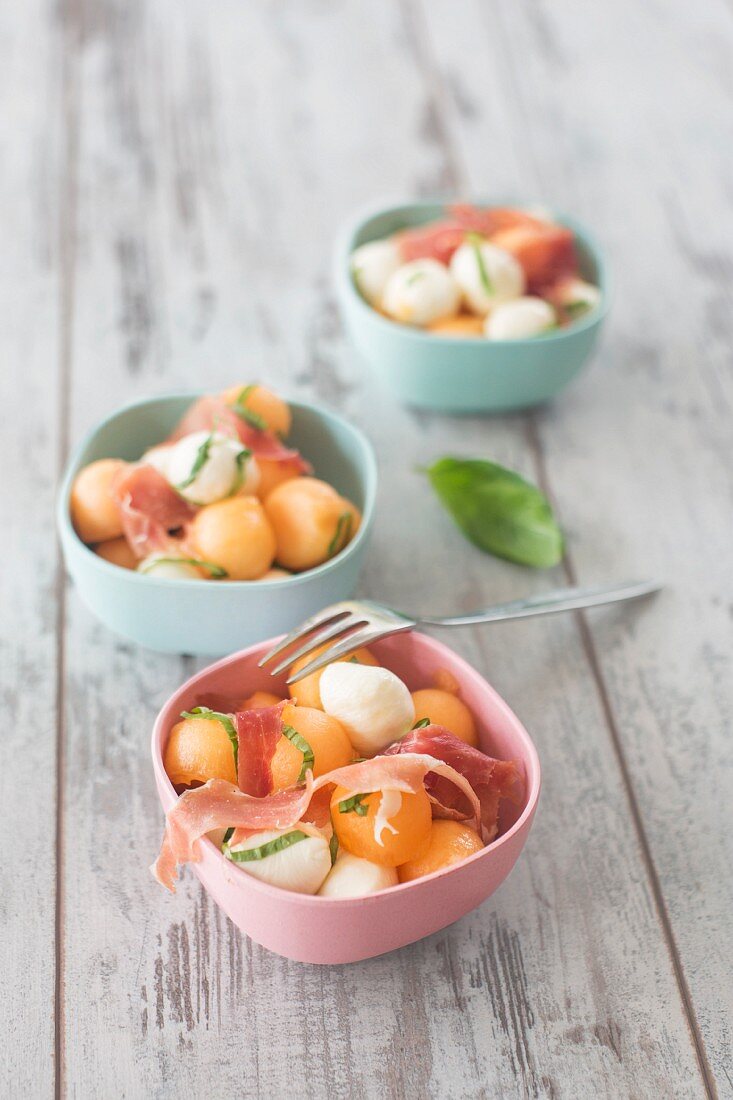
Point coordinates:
[[216, 154], [624, 118], [30, 353]]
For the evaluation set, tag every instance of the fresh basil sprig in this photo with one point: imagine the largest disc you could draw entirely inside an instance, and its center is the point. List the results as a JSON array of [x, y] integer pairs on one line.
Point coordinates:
[[302, 745], [498, 510], [249, 855], [206, 712], [248, 415], [476, 240], [575, 309], [421, 724], [333, 847], [202, 457], [354, 805], [341, 535]]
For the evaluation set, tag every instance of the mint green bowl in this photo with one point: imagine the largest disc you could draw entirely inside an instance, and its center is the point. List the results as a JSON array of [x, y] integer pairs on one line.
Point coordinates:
[[467, 374], [217, 617]]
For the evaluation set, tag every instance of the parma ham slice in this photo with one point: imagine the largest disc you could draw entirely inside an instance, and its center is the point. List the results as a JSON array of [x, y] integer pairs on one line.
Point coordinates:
[[209, 413], [150, 509], [258, 732]]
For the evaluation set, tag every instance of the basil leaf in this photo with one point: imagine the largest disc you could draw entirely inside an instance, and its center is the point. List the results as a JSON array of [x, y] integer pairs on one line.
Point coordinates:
[[341, 535], [302, 745], [249, 855], [421, 724], [333, 847], [354, 805], [575, 309], [248, 415], [476, 240], [241, 460], [227, 836], [415, 277], [206, 712], [214, 570], [202, 457], [498, 510]]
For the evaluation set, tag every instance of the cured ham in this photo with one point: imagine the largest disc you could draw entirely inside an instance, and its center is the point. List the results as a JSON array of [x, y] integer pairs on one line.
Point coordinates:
[[491, 221], [546, 252], [431, 242], [213, 413], [219, 804], [491, 779], [149, 508], [258, 732]]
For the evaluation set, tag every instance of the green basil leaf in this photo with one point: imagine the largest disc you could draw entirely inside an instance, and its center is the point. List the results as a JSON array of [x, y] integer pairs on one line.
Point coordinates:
[[476, 240], [202, 457], [302, 745], [214, 570], [241, 460], [333, 847], [227, 836], [249, 855], [415, 277], [498, 510], [354, 805], [341, 535], [248, 415], [421, 724], [575, 309], [206, 712]]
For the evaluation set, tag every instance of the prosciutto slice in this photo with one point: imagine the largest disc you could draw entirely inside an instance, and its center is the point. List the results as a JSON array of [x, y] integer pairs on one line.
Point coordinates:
[[150, 508], [439, 240], [258, 732], [218, 804], [491, 779], [209, 413]]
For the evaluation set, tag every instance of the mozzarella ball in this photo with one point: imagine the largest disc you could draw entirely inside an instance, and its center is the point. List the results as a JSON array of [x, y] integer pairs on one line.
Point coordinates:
[[118, 552], [371, 266], [421, 292], [263, 404], [275, 575], [236, 535], [577, 296], [207, 466], [486, 275], [94, 512], [169, 567], [520, 319], [311, 521], [159, 458], [274, 472], [307, 692], [352, 877], [372, 704], [301, 867]]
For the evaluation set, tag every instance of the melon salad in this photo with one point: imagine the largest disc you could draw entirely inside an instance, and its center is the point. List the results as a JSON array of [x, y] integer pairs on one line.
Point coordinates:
[[351, 785], [222, 498], [498, 273]]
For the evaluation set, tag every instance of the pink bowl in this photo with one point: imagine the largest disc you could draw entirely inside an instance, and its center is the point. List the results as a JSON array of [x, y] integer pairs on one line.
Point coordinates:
[[330, 930]]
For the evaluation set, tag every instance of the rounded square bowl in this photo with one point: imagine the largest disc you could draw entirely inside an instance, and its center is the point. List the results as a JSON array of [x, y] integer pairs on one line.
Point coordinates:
[[215, 617], [468, 374], [329, 930]]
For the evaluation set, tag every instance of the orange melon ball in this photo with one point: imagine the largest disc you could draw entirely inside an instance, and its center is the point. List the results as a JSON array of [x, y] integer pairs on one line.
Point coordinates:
[[328, 741], [199, 749], [259, 700], [311, 522], [445, 709], [449, 842], [307, 692], [410, 817], [237, 535], [274, 473], [264, 405], [94, 513], [463, 325], [118, 552]]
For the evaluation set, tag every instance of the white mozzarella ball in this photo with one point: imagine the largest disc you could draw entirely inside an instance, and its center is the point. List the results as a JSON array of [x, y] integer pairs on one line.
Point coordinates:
[[421, 292], [159, 458], [352, 877], [300, 867], [487, 275], [169, 567], [522, 318], [207, 466], [372, 704], [371, 265], [577, 296]]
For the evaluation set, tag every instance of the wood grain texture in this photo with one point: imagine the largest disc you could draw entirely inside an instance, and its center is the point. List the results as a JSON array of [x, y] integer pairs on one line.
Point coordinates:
[[208, 154]]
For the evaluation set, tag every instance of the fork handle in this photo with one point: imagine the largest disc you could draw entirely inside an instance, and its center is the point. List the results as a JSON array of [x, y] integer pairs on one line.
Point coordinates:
[[562, 599]]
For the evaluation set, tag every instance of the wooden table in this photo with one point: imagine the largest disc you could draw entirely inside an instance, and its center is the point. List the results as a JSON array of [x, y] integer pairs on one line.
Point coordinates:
[[173, 175]]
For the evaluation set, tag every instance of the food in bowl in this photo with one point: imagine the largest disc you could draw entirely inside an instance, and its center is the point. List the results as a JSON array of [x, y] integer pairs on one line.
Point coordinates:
[[223, 497], [343, 795], [495, 272]]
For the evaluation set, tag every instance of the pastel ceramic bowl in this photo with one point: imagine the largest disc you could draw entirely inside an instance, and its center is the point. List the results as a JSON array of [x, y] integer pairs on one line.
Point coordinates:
[[216, 617], [468, 374], [330, 930]]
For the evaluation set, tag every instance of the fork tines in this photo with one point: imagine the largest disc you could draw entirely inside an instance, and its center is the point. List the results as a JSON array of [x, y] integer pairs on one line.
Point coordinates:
[[338, 621]]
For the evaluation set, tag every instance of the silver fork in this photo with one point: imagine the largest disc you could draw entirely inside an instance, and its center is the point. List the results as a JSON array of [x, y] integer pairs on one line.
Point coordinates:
[[354, 623]]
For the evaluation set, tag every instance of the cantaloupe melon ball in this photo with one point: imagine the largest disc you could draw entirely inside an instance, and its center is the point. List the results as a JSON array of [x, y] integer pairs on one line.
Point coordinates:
[[94, 513], [326, 738], [199, 749], [258, 700], [464, 325], [446, 709], [449, 842], [307, 692], [236, 535], [264, 404], [118, 552], [311, 521], [394, 828], [274, 472]]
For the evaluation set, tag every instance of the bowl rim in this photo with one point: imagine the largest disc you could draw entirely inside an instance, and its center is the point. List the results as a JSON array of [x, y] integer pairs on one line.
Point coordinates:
[[465, 671], [369, 478], [345, 243]]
